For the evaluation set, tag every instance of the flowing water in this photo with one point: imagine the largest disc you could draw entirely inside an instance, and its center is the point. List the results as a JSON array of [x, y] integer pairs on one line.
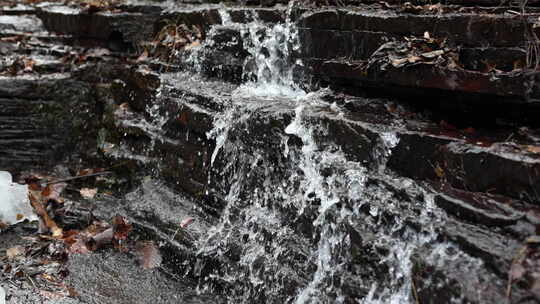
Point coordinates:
[[302, 222], [294, 215]]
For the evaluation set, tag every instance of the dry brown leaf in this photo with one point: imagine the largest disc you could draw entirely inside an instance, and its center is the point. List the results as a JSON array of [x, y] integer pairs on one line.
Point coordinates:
[[88, 193], [117, 234], [14, 252], [99, 240], [399, 62], [35, 201], [469, 130], [149, 255], [488, 67], [413, 59], [89, 171], [11, 39], [53, 191], [439, 171], [533, 149], [121, 228], [52, 295], [193, 44], [518, 65], [80, 246], [29, 65], [72, 292]]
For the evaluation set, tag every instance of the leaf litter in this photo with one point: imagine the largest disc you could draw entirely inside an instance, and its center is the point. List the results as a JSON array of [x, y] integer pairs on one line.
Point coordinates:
[[39, 260], [410, 51]]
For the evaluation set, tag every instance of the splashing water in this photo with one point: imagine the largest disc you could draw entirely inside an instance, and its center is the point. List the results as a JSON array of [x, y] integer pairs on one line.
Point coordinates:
[[302, 223], [322, 191], [270, 66]]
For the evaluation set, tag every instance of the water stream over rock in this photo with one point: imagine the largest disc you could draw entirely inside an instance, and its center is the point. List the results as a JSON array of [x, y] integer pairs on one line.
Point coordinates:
[[299, 193], [301, 222]]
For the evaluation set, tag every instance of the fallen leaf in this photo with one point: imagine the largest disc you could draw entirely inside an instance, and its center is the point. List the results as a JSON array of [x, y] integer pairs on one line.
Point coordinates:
[[88, 193], [44, 216], [89, 171], [121, 228], [96, 227], [488, 67], [14, 252], [183, 118], [80, 247], [53, 191], [399, 62], [533, 239], [413, 59], [124, 106], [186, 222], [143, 56], [469, 130], [435, 7], [432, 54], [385, 4], [518, 65], [99, 240], [193, 44], [11, 38], [516, 271], [533, 149], [149, 256], [439, 171], [48, 277], [72, 292], [52, 295], [29, 65]]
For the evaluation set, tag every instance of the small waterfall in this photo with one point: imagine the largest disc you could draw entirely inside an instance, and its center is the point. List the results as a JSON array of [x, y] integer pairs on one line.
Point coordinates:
[[300, 216], [270, 66], [302, 223]]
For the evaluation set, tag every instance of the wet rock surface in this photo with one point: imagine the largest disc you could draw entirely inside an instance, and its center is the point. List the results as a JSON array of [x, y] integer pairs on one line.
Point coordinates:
[[328, 197]]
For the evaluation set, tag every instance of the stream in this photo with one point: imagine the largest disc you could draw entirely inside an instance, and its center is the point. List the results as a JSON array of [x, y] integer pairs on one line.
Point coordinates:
[[301, 222], [317, 153]]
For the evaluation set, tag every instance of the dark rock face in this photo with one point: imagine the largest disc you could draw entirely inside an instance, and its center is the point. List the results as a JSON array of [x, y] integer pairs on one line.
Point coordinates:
[[38, 122], [345, 198]]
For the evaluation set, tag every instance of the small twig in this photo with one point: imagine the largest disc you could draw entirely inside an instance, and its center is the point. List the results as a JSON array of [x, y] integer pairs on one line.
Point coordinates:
[[31, 281], [42, 212], [417, 300], [78, 177]]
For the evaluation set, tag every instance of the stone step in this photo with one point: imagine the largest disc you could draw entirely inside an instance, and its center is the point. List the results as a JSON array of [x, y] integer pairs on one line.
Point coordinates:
[[463, 158], [516, 87], [470, 30]]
